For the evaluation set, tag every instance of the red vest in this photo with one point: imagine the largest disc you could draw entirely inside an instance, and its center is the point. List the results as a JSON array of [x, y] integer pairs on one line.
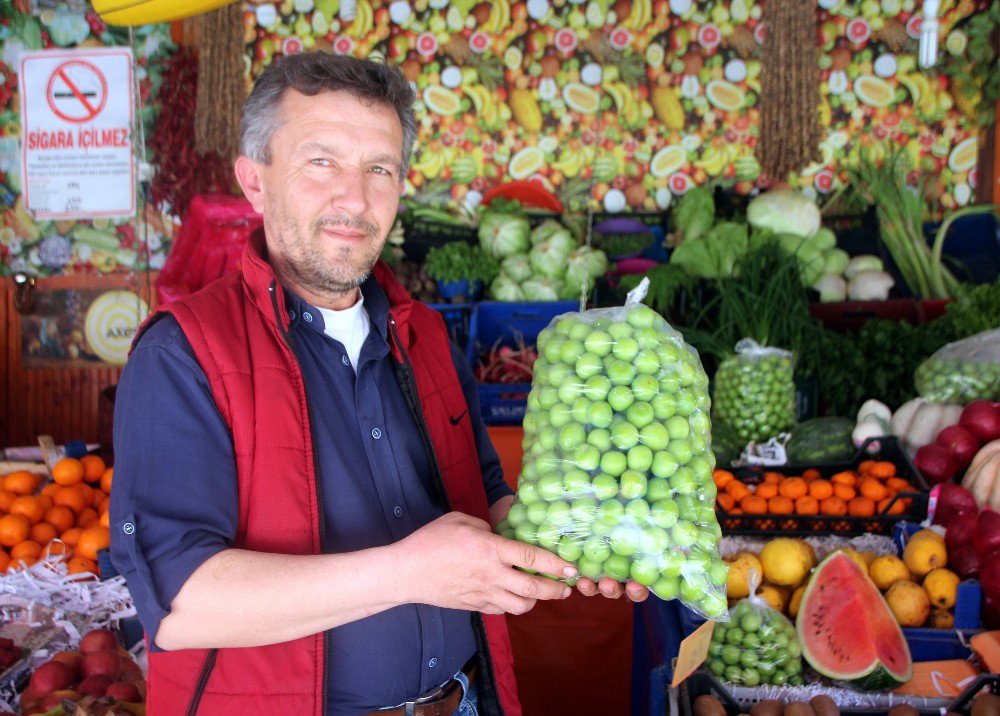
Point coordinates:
[[233, 326]]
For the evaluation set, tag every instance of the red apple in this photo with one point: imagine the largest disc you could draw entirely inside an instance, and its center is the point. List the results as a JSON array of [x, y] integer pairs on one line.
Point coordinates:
[[106, 661], [124, 691], [55, 698], [95, 685], [97, 640], [961, 441], [72, 659], [52, 676]]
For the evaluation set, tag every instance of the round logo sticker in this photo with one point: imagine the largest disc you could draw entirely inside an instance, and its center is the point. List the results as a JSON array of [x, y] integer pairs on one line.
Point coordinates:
[[111, 323]]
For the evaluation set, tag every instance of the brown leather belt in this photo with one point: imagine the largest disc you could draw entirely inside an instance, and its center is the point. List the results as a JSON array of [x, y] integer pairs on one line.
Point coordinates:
[[442, 701]]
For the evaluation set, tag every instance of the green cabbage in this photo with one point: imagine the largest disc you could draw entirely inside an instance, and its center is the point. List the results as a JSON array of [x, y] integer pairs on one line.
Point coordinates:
[[504, 288], [695, 213], [516, 267], [503, 234], [835, 261], [549, 257], [715, 254], [542, 289], [585, 264], [784, 211], [546, 230]]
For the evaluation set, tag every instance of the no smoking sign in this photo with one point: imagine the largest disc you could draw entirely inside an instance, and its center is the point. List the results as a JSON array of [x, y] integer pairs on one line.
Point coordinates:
[[77, 91]]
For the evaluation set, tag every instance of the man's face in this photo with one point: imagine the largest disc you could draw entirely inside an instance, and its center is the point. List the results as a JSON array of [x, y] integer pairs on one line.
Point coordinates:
[[330, 194]]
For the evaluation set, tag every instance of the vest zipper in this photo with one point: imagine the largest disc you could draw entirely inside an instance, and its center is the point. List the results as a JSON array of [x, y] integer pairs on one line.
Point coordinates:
[[408, 383], [203, 677], [289, 341]]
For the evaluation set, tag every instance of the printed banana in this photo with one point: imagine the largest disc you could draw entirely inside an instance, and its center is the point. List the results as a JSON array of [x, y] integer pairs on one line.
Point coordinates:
[[499, 17]]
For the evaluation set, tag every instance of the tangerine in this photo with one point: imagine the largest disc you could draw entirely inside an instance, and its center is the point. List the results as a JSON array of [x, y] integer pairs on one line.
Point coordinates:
[[71, 536], [754, 505], [69, 497], [93, 468], [725, 500], [22, 563], [45, 500], [68, 471], [820, 489], [844, 492], [88, 493], [106, 479], [794, 488], [861, 507], [873, 489], [43, 532], [87, 517], [780, 505], [29, 506], [834, 505], [767, 490], [6, 498], [4, 561], [28, 548], [60, 517], [92, 540], [21, 482], [81, 565], [13, 529], [807, 505], [105, 519]]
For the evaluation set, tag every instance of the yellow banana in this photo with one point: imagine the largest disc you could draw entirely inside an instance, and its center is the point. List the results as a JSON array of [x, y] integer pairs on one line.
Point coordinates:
[[570, 162], [499, 17], [472, 92], [620, 93]]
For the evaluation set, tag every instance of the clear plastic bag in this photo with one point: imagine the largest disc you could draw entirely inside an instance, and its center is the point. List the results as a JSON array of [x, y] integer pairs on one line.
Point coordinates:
[[963, 371], [755, 391], [617, 469], [758, 645]]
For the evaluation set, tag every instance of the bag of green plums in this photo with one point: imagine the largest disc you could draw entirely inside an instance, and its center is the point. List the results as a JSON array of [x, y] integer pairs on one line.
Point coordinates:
[[963, 371], [755, 391], [617, 468], [758, 645]]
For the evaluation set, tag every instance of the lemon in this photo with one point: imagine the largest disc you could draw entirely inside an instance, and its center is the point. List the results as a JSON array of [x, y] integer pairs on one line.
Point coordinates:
[[887, 570], [725, 95], [525, 163], [909, 603], [441, 100], [856, 556], [923, 555], [581, 98], [873, 91], [787, 561], [941, 619], [941, 586], [776, 597], [793, 605], [963, 156], [668, 160], [740, 574]]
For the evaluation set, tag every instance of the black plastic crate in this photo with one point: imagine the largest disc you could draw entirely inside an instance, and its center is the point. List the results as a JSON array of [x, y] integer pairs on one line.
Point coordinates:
[[422, 235], [812, 525]]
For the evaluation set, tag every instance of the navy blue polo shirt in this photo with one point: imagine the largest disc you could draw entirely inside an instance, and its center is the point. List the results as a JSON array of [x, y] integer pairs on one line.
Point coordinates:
[[176, 492]]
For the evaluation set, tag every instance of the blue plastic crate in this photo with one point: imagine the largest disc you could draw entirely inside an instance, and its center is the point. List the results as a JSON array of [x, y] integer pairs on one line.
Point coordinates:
[[501, 323], [458, 320]]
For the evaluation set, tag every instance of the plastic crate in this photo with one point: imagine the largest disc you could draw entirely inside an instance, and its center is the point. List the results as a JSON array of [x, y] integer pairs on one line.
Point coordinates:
[[702, 682], [421, 235], [458, 320], [812, 525], [845, 316], [500, 323]]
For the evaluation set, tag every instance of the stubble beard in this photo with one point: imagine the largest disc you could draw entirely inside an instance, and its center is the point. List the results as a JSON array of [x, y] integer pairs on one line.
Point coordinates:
[[307, 261]]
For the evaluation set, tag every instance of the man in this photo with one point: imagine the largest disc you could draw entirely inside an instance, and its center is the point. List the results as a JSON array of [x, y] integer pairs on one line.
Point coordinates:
[[303, 485]]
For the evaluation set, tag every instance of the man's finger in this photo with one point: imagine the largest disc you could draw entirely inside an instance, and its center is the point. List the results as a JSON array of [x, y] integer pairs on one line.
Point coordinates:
[[536, 559], [610, 588], [586, 587], [533, 587], [636, 592]]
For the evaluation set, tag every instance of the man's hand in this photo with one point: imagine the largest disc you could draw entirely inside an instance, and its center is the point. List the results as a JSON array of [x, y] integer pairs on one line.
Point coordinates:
[[612, 589], [459, 563]]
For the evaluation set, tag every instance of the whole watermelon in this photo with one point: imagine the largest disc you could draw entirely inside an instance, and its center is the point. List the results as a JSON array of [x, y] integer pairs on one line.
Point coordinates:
[[821, 440]]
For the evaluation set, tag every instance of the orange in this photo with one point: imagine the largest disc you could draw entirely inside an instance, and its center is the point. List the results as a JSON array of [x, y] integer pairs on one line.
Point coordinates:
[[721, 478], [844, 492], [773, 477], [874, 490], [21, 482], [6, 498], [93, 468], [88, 492], [106, 479], [780, 505], [22, 563], [810, 474], [738, 490], [92, 540], [71, 536], [49, 490], [43, 532], [844, 478], [13, 529], [767, 490], [833, 506], [68, 471], [806, 505], [28, 548], [29, 506], [69, 497], [87, 517], [794, 488], [45, 500], [726, 501], [4, 561], [898, 484], [102, 503], [60, 517], [820, 489], [898, 507], [861, 507], [105, 519], [79, 565], [753, 505]]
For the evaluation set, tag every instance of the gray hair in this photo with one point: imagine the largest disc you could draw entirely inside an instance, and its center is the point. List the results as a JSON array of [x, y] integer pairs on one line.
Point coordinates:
[[311, 73]]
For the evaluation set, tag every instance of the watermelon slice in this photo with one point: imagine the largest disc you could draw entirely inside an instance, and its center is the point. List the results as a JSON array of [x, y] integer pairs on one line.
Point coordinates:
[[847, 631]]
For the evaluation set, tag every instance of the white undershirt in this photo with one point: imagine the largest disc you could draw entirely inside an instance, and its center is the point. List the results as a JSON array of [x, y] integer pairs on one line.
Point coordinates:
[[349, 326]]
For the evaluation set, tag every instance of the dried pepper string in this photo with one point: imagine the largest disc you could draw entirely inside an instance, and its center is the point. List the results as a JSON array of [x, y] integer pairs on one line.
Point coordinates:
[[221, 88], [182, 172]]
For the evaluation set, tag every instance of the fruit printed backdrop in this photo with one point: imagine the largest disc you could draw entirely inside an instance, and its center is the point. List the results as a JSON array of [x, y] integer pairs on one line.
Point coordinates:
[[630, 103]]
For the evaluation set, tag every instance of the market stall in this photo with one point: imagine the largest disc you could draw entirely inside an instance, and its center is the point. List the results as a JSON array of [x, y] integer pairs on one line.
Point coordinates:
[[727, 274]]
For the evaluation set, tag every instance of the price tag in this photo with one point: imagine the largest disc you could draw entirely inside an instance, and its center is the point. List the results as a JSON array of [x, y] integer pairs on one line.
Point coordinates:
[[693, 652]]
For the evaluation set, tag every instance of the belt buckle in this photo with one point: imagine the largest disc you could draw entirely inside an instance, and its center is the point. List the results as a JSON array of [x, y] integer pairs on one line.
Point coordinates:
[[410, 707]]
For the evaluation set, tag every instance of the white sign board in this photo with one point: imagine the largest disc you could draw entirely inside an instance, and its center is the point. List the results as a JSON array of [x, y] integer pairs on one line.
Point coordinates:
[[76, 133]]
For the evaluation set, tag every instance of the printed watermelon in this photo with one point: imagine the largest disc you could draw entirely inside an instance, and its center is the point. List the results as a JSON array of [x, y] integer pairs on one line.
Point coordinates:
[[847, 631]]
